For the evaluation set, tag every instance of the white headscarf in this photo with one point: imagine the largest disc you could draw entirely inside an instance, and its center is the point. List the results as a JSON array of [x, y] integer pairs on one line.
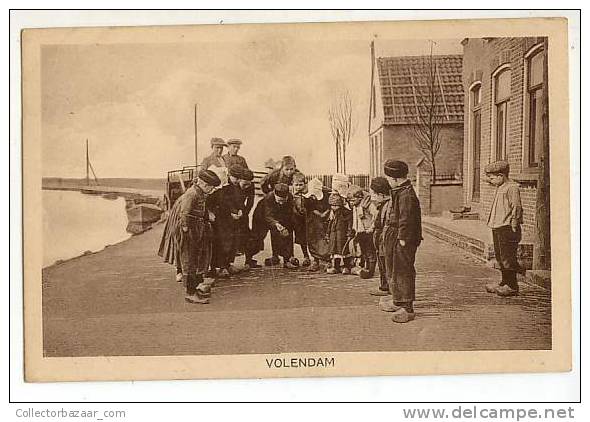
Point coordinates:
[[314, 187], [340, 184]]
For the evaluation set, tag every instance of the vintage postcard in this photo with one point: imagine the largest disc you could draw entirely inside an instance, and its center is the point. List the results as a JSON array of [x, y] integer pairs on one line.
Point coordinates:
[[293, 200]]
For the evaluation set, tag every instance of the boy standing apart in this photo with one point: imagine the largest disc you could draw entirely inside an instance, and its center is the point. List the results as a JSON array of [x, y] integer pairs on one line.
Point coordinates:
[[402, 235], [505, 219]]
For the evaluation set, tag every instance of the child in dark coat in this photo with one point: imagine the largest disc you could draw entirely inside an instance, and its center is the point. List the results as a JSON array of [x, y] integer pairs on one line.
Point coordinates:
[[299, 220], [228, 210], [186, 241], [274, 213], [401, 238], [317, 211], [504, 219], [380, 194], [247, 199], [364, 212], [340, 235]]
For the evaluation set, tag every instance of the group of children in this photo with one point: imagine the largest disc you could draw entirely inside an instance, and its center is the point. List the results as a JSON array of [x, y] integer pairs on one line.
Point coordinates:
[[341, 230]]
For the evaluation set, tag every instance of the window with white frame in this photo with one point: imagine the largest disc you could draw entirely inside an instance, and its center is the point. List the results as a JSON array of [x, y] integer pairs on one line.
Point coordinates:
[[475, 138], [534, 107], [502, 81]]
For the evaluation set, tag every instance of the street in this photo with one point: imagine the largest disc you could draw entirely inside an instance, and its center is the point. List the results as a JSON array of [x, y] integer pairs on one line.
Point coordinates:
[[124, 301]]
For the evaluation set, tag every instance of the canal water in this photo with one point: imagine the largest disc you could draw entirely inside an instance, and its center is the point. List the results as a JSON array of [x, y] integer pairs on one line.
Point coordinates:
[[74, 223]]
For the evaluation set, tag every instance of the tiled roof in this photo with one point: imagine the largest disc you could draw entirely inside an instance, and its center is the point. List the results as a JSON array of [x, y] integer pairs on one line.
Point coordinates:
[[403, 81]]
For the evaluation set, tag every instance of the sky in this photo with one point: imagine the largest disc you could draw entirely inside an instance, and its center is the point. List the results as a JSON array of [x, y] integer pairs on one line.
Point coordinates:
[[135, 102]]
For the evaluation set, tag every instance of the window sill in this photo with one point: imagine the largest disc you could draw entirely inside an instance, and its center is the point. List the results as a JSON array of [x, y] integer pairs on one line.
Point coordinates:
[[526, 179], [527, 175]]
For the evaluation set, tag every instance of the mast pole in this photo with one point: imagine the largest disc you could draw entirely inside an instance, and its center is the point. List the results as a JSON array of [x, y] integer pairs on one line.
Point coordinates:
[[87, 178], [196, 138]]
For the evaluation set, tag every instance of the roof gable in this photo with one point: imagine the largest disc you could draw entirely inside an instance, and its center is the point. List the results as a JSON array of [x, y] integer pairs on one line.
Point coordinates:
[[403, 79]]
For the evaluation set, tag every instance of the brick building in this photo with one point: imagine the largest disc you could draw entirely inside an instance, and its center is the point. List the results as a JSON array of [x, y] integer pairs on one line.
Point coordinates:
[[396, 85], [503, 89]]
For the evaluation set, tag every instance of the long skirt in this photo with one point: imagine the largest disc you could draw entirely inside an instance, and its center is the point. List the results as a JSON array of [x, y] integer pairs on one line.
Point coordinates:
[[317, 242], [169, 244]]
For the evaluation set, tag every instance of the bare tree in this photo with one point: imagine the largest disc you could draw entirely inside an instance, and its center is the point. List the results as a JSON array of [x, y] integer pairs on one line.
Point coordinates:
[[429, 112], [342, 126]]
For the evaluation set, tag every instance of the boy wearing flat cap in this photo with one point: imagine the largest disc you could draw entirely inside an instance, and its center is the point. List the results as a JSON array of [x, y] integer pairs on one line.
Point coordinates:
[[274, 213], [187, 236], [232, 157], [504, 219], [215, 161], [402, 235]]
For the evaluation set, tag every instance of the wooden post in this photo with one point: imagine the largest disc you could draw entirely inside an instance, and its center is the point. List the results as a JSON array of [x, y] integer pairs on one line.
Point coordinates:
[[196, 138], [87, 178], [542, 250]]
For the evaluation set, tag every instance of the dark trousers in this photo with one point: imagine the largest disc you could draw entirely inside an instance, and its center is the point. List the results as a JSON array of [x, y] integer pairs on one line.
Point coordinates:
[[401, 273], [383, 284], [195, 250], [505, 248], [369, 255], [281, 245], [243, 234], [195, 256]]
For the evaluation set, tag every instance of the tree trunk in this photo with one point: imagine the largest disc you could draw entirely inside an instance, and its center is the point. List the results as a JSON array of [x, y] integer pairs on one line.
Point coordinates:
[[433, 166], [344, 157], [337, 156]]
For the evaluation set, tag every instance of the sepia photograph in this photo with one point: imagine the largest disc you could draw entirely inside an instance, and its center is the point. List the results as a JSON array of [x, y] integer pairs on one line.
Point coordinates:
[[296, 200]]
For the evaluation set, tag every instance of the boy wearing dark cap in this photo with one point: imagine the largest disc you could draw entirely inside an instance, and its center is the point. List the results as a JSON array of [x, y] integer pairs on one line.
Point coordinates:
[[274, 213], [402, 235], [381, 196], [187, 236], [504, 219]]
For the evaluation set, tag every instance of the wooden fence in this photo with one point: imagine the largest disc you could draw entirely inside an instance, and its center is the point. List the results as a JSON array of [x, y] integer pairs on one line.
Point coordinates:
[[361, 180]]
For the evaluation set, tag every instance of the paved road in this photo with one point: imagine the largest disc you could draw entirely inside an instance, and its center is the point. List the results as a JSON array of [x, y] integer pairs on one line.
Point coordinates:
[[124, 301]]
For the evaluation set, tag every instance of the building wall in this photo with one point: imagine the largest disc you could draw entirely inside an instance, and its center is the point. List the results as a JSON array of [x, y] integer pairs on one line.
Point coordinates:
[[399, 144], [480, 59]]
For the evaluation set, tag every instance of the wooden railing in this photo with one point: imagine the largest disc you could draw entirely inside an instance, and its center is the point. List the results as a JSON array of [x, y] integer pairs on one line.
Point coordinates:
[[361, 180]]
